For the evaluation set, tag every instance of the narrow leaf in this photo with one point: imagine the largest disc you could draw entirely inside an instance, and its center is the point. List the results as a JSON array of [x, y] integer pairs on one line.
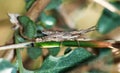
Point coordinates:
[[58, 64], [53, 4], [108, 21], [30, 29], [34, 52], [54, 51], [29, 4], [29, 26]]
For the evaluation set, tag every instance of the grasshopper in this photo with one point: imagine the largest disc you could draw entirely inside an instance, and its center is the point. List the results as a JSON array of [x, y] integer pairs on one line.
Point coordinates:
[[56, 36], [62, 36]]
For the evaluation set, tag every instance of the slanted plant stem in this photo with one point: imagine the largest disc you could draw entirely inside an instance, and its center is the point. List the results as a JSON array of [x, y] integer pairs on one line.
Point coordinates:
[[93, 44], [37, 8]]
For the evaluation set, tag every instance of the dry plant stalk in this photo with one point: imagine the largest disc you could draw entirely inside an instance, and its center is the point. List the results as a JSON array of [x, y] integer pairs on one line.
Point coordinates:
[[37, 8]]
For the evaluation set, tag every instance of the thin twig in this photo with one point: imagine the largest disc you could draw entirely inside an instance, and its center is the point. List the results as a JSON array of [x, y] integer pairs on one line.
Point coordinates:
[[51, 44], [108, 6], [15, 46], [92, 44], [37, 8]]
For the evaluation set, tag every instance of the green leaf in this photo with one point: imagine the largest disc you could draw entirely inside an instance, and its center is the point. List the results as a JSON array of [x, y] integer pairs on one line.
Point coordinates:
[[58, 64], [19, 38], [30, 30], [47, 20], [54, 51], [29, 4], [34, 52], [106, 53], [113, 0], [39, 27], [53, 4], [29, 26], [7, 67], [23, 20], [108, 21]]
